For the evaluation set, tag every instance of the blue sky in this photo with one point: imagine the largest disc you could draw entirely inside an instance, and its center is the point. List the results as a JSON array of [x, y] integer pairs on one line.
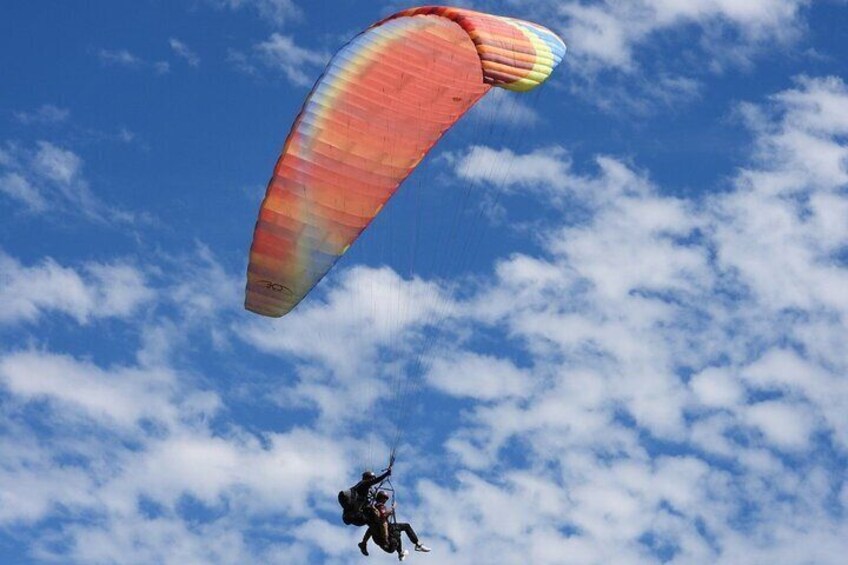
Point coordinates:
[[611, 315]]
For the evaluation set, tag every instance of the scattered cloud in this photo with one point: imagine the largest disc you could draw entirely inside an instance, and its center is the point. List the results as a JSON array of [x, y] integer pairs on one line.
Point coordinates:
[[740, 287], [112, 398], [660, 401], [607, 34], [612, 57], [46, 114], [97, 290], [504, 107], [182, 51], [241, 62], [547, 168], [123, 58], [685, 359], [56, 164], [19, 188], [663, 381], [484, 376], [278, 12], [48, 177], [638, 94], [136, 448], [281, 53], [125, 135], [335, 354]]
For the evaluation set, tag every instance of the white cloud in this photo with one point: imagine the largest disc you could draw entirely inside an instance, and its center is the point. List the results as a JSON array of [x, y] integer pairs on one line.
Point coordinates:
[[202, 295], [280, 52], [129, 447], [681, 394], [214, 469], [203, 287], [613, 61], [505, 108], [479, 376], [31, 485], [97, 417], [544, 170], [184, 52], [784, 425], [607, 33], [136, 540], [121, 397], [351, 342], [50, 178], [17, 187], [334, 540], [301, 66], [126, 59], [787, 373], [46, 114], [241, 62], [636, 93], [97, 290], [278, 12], [715, 387], [332, 331], [56, 164], [782, 226], [119, 57], [739, 290]]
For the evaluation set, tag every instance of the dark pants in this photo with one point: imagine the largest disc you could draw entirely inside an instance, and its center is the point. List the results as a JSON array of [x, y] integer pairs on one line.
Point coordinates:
[[396, 529], [393, 543]]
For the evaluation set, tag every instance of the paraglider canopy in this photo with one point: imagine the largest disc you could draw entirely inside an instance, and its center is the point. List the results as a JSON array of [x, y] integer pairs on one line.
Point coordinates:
[[381, 104]]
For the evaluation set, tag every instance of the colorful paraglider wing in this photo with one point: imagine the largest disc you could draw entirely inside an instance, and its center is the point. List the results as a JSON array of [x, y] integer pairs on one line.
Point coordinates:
[[381, 104], [514, 54]]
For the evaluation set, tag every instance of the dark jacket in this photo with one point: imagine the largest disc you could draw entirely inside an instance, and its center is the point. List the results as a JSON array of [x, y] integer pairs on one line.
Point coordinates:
[[354, 501], [360, 490]]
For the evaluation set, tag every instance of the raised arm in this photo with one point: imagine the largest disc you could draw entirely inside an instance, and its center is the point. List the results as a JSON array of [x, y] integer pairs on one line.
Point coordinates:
[[376, 480]]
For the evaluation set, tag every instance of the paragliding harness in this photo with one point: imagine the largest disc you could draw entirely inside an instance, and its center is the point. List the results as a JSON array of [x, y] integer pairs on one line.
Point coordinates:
[[353, 508], [385, 485], [391, 535], [358, 512]]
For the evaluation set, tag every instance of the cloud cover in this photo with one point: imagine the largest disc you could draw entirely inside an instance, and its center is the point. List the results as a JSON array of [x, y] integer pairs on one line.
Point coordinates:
[[49, 178], [667, 380], [691, 409]]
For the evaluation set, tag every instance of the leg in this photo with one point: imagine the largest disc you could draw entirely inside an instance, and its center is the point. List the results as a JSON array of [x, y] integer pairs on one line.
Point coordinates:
[[389, 547], [383, 535], [410, 533], [396, 541], [378, 532], [363, 545]]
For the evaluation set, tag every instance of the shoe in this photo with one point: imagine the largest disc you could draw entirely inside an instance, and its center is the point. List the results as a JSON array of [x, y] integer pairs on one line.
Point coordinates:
[[422, 547], [402, 554], [363, 547]]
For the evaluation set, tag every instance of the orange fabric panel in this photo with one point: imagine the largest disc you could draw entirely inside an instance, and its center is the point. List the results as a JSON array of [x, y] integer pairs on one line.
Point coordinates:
[[381, 105]]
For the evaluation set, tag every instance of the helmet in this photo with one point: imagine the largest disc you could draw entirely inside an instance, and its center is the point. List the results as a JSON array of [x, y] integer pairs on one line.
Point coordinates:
[[368, 475], [381, 496]]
